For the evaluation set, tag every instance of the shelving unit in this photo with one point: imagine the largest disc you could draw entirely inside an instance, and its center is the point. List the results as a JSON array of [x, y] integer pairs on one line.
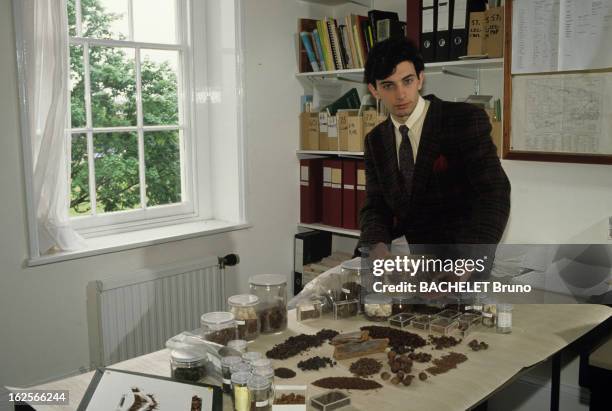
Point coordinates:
[[330, 153], [328, 228]]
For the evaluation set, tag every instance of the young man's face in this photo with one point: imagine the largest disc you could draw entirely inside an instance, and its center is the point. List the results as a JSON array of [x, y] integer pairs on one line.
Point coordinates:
[[400, 91]]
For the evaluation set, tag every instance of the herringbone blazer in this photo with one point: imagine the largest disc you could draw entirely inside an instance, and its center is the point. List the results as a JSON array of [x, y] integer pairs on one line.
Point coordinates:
[[459, 193]]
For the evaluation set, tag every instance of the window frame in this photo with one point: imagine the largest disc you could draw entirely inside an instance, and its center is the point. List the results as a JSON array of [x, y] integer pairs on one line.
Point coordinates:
[[96, 224]]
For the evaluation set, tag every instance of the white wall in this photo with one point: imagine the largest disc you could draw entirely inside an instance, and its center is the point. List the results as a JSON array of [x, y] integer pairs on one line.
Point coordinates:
[[42, 309]]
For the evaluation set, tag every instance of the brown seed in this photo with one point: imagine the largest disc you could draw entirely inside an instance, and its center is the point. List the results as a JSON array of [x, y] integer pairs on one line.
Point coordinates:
[[391, 355], [385, 376], [395, 380], [422, 376], [400, 375], [394, 368], [407, 380]]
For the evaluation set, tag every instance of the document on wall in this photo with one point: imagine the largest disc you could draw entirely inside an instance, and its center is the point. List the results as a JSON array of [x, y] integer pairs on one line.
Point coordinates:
[[562, 113], [561, 35]]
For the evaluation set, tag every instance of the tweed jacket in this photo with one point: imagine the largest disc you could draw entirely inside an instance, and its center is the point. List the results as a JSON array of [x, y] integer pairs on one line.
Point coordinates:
[[459, 193]]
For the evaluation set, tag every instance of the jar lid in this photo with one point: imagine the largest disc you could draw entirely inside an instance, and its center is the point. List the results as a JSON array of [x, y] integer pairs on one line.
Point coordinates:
[[240, 367], [238, 345], [187, 357], [241, 377], [354, 264], [243, 300], [266, 372], [231, 360], [268, 279], [376, 298], [257, 382], [261, 363], [251, 356], [217, 318]]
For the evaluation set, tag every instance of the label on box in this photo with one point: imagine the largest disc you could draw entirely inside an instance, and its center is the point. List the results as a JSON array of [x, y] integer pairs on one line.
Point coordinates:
[[323, 122], [304, 173], [240, 322]]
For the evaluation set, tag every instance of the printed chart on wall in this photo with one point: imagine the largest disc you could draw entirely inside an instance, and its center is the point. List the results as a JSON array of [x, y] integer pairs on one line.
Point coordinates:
[[561, 68], [124, 391], [562, 113]]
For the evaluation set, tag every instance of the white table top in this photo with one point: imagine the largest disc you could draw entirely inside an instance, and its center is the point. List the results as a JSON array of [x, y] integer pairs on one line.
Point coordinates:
[[539, 331]]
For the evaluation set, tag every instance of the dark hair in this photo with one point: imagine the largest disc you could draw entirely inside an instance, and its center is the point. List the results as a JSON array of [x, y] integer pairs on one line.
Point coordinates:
[[386, 55]]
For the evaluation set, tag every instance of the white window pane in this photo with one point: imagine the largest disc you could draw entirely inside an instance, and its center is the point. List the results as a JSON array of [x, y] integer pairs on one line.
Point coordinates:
[[159, 73], [163, 167], [105, 19], [116, 168], [155, 21]]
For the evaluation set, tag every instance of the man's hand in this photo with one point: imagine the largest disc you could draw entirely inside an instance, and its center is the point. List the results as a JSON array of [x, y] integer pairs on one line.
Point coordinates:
[[379, 251]]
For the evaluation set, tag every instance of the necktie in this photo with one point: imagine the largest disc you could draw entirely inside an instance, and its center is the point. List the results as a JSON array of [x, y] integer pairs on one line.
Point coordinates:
[[406, 158]]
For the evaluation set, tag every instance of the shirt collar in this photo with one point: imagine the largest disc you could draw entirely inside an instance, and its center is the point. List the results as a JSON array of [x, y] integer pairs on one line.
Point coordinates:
[[414, 116]]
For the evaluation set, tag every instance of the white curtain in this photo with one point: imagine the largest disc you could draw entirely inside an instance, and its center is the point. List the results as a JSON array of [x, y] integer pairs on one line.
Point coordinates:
[[44, 32]]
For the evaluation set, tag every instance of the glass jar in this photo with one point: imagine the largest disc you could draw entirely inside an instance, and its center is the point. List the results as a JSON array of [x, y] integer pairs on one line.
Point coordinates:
[[504, 318], [271, 290], [400, 305], [186, 365], [260, 393], [261, 363], [219, 327], [226, 364], [238, 345], [240, 367], [250, 357], [351, 278], [266, 372], [489, 315], [240, 391], [377, 307], [244, 308]]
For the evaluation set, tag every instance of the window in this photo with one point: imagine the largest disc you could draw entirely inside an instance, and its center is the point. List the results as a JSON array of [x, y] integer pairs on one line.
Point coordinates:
[[130, 143]]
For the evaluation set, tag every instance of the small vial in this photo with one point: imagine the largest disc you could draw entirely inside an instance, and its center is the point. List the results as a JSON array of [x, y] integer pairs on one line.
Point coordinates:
[[251, 356], [504, 318], [226, 363], [242, 402]]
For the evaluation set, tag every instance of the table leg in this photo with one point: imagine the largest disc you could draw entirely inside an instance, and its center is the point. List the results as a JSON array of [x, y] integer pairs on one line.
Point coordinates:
[[555, 382]]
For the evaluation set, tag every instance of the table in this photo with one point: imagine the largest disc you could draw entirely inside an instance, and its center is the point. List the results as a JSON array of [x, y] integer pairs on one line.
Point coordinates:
[[540, 332]]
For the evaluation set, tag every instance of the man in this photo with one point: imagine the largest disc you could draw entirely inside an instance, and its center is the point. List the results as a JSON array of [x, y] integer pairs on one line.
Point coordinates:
[[432, 172]]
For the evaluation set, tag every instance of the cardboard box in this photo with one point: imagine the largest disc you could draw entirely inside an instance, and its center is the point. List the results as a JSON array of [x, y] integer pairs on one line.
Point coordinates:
[[323, 131], [494, 32], [476, 36], [343, 134], [309, 131], [370, 120], [355, 133], [332, 133]]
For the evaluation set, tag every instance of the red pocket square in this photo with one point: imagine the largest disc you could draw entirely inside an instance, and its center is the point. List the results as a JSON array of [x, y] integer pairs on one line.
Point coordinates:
[[441, 164]]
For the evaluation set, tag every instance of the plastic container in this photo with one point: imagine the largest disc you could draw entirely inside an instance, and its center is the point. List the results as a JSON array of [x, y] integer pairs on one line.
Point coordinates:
[[226, 364], [240, 391], [186, 365], [308, 310], [252, 356], [238, 345], [244, 308], [271, 290], [421, 322], [443, 325], [345, 309], [377, 307], [329, 401], [504, 318], [293, 392], [448, 314], [219, 327], [260, 393], [401, 320]]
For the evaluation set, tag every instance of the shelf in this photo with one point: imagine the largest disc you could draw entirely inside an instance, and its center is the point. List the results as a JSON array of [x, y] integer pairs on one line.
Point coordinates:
[[330, 153], [437, 67], [336, 230], [364, 3]]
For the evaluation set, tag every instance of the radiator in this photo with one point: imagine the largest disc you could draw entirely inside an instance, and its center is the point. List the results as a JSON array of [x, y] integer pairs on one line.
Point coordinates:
[[136, 313]]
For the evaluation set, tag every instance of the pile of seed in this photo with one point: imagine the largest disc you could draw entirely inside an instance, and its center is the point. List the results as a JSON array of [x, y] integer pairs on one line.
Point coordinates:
[[364, 367], [290, 399], [347, 383], [296, 344], [397, 338], [315, 363], [477, 346], [420, 356], [443, 341], [284, 373], [446, 363]]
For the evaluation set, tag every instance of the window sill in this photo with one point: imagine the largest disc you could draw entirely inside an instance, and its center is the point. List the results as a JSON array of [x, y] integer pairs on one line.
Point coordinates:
[[141, 238]]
